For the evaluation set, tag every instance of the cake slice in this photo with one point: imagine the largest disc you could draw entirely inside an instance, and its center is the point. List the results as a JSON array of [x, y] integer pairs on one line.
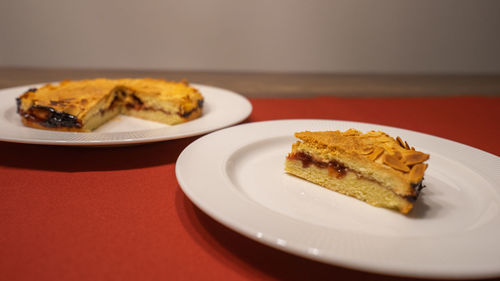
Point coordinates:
[[87, 104], [372, 167]]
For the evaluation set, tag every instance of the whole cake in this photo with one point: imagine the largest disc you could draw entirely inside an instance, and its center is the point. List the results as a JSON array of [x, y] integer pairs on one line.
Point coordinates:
[[86, 104], [372, 167]]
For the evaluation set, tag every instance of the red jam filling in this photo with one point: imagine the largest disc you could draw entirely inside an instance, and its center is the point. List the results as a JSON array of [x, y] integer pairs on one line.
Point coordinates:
[[335, 169]]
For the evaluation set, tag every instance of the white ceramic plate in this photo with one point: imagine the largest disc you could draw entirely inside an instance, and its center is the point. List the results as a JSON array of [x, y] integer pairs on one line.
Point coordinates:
[[236, 176], [221, 108]]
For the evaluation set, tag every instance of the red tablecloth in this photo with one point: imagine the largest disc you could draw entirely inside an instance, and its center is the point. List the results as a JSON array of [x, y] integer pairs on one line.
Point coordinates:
[[75, 213]]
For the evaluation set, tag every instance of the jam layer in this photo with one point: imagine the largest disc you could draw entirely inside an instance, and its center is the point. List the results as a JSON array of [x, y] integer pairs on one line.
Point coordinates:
[[335, 168], [137, 104]]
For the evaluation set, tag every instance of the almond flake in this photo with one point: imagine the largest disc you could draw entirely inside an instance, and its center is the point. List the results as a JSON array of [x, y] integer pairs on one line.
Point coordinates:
[[398, 155], [366, 150], [375, 154], [392, 161], [400, 142], [417, 173], [413, 157]]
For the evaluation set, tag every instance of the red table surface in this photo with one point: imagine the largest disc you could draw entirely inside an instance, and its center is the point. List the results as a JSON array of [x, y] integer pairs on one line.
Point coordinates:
[[118, 213]]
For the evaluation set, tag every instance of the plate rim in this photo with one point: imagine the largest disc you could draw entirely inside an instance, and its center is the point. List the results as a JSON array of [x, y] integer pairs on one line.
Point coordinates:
[[242, 101], [298, 249]]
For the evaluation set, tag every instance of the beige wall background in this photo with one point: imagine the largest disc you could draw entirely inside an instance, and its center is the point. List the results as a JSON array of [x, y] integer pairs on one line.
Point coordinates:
[[355, 36]]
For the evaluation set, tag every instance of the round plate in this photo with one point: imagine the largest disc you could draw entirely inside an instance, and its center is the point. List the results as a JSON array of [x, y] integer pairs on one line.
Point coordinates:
[[221, 108], [236, 176]]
